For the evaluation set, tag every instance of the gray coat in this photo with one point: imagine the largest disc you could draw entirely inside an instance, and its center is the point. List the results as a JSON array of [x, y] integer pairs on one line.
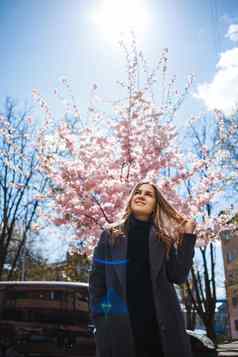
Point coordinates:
[[108, 301]]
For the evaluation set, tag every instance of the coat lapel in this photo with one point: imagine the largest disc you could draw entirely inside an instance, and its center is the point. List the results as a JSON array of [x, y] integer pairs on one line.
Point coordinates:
[[119, 257], [156, 252]]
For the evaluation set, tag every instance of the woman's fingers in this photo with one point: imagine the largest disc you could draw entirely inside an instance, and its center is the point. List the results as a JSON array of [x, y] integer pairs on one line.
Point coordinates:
[[189, 226]]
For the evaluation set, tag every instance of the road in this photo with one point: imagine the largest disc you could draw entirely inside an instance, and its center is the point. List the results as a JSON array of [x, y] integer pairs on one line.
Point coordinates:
[[228, 349]]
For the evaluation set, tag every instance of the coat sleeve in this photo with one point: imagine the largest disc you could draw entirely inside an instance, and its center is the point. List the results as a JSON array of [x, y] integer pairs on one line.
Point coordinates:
[[180, 260], [97, 280]]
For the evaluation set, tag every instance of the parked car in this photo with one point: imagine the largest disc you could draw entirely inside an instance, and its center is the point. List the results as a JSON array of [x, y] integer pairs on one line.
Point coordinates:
[[201, 344], [52, 319]]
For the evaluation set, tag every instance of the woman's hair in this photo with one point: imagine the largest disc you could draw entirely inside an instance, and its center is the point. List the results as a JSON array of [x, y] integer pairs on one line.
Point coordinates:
[[166, 220]]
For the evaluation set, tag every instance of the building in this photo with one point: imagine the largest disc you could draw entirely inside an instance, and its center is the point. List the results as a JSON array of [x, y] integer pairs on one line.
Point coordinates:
[[221, 318], [229, 241]]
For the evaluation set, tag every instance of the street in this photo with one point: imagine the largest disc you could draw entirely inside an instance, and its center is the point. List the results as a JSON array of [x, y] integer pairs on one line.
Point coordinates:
[[228, 349]]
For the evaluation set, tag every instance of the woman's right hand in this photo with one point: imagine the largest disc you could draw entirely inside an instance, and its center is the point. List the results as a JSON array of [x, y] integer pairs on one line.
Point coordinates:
[[189, 226]]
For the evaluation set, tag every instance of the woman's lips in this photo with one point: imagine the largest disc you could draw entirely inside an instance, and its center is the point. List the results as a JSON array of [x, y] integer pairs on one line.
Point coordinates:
[[140, 203]]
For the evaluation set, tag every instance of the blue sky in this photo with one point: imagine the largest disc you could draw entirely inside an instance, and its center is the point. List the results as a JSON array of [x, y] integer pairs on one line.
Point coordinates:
[[44, 40], [41, 41]]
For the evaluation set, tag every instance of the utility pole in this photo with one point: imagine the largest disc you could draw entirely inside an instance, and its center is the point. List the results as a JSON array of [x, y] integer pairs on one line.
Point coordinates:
[[23, 260]]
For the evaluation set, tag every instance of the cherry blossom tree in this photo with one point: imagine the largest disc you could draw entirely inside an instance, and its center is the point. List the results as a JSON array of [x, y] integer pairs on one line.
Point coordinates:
[[206, 191], [94, 161]]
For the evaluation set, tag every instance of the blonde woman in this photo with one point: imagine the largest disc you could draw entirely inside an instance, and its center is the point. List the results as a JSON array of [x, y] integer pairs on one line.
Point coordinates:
[[133, 302]]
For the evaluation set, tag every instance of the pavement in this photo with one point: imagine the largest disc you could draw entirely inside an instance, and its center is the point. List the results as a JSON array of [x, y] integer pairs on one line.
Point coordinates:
[[228, 349]]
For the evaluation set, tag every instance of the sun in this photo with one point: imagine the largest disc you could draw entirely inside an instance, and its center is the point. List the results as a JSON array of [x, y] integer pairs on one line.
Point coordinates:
[[120, 17]]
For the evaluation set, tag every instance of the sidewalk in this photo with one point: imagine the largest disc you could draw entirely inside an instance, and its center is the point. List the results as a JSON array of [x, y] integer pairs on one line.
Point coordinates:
[[228, 349]]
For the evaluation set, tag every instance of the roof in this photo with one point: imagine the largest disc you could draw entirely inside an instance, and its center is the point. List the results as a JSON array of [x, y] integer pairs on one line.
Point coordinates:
[[44, 283]]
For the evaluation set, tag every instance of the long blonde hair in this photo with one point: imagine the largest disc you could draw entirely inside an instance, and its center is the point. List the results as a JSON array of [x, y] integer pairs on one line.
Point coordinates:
[[167, 221]]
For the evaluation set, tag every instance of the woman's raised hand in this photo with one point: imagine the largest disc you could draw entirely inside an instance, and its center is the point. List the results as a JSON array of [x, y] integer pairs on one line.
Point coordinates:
[[189, 226]]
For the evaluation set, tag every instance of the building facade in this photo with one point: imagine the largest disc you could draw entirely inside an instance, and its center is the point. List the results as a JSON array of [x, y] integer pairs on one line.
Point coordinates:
[[229, 241]]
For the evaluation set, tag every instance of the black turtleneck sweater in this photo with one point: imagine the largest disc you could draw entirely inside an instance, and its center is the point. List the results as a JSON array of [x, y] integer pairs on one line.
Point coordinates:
[[139, 287]]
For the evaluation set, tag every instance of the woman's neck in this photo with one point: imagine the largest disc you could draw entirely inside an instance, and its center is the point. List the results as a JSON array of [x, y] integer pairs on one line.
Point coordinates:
[[141, 217]]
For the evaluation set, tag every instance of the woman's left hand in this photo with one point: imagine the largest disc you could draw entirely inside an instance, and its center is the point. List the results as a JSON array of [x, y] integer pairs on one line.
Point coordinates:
[[189, 226]]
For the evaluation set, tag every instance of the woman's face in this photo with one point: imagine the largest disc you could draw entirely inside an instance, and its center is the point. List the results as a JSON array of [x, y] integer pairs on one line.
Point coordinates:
[[143, 201]]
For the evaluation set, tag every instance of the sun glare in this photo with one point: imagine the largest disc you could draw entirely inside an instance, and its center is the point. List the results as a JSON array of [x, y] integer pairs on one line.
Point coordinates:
[[119, 17]]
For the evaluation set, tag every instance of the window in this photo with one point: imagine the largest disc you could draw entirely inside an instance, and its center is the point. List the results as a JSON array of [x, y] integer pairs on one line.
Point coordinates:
[[234, 300], [236, 324], [225, 235], [231, 255], [57, 295], [230, 277]]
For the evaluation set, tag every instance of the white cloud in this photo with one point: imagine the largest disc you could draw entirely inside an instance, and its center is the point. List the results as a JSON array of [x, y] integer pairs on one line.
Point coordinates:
[[222, 92], [232, 33]]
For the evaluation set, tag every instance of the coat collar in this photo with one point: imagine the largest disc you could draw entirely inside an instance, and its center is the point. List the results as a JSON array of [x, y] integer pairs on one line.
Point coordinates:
[[119, 256]]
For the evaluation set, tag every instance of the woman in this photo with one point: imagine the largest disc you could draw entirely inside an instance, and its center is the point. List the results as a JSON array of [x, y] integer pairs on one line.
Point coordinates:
[[136, 262]]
